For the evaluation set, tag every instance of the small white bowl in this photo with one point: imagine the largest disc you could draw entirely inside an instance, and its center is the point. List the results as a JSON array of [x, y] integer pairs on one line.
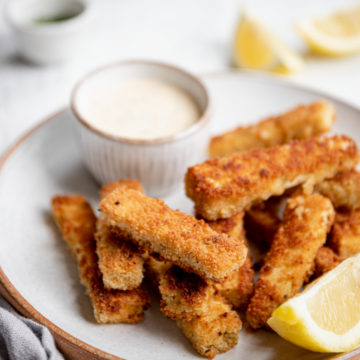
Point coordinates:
[[52, 42], [160, 164]]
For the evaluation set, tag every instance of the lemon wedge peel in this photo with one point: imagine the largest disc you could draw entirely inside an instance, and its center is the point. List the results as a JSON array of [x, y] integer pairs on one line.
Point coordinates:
[[293, 320], [339, 39], [256, 47]]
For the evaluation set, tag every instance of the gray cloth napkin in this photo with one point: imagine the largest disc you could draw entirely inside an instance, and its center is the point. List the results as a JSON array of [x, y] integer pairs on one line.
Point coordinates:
[[24, 339]]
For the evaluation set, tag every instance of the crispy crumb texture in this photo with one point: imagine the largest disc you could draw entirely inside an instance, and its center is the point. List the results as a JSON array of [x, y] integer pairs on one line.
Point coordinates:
[[205, 319], [290, 261], [176, 237], [222, 187], [215, 332], [238, 288], [119, 261], [184, 295], [345, 234], [325, 261], [233, 226], [343, 190], [129, 183], [300, 123], [77, 222]]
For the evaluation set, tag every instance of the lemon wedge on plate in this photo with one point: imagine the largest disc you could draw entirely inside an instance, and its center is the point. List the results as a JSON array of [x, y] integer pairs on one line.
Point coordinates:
[[325, 317], [256, 47], [337, 34]]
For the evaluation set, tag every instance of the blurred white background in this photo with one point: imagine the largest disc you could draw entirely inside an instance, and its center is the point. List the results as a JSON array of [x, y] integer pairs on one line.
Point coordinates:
[[193, 34]]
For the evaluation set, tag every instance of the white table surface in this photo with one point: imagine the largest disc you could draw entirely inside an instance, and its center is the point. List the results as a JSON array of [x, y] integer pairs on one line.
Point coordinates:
[[193, 34]]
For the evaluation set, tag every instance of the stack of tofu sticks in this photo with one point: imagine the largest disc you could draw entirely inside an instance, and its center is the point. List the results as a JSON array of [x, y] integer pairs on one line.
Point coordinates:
[[202, 265]]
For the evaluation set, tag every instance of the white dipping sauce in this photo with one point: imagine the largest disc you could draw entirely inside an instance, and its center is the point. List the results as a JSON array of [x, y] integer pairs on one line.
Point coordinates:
[[141, 109]]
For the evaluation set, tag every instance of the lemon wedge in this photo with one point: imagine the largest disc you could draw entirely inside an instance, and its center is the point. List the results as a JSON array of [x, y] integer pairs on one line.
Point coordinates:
[[325, 317], [337, 34], [255, 47]]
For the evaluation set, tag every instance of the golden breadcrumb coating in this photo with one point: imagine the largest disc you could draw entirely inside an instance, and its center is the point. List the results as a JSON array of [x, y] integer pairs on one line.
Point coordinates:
[[206, 320], [216, 331], [129, 183], [184, 295], [325, 261], [261, 224], [290, 261], [178, 238], [238, 288], [345, 234], [120, 262], [76, 221], [233, 226], [222, 187], [154, 269], [300, 123], [343, 190]]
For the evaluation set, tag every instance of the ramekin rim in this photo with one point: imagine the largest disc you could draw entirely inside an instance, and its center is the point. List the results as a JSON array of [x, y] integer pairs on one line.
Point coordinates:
[[52, 29], [199, 124]]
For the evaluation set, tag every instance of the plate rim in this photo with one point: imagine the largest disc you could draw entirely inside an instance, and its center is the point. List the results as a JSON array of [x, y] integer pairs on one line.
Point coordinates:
[[69, 344], [64, 340]]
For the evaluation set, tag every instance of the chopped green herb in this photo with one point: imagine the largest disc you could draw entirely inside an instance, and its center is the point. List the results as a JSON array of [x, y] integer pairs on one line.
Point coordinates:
[[54, 19]]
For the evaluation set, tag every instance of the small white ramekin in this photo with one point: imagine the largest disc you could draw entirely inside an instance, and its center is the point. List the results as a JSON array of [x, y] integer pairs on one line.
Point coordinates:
[[159, 164], [53, 42]]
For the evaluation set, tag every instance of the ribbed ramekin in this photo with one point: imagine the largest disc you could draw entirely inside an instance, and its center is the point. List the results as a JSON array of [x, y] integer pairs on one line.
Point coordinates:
[[159, 164]]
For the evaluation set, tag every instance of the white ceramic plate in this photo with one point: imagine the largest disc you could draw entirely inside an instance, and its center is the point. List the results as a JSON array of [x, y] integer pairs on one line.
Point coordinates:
[[38, 273]]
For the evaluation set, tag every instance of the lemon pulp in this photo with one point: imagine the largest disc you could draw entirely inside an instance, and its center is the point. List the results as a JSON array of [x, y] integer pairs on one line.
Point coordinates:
[[335, 307], [256, 47], [336, 35], [254, 51], [325, 317], [342, 24]]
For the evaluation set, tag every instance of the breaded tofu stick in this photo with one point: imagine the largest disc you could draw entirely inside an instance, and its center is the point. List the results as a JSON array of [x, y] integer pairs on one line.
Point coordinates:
[[216, 331], [206, 320], [238, 288], [76, 221], [343, 190], [178, 238], [345, 234], [184, 295], [289, 263], [129, 183], [344, 242], [261, 224], [325, 261], [301, 123], [120, 262], [222, 187], [233, 226]]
